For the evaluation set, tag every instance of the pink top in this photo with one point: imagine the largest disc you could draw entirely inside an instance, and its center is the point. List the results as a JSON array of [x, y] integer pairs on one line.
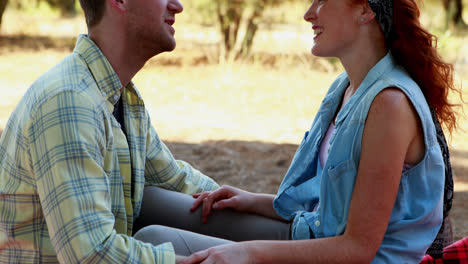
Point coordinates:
[[325, 147]]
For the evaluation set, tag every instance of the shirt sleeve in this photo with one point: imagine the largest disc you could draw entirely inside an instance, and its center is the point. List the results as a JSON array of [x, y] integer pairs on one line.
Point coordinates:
[[300, 227], [162, 170], [67, 144]]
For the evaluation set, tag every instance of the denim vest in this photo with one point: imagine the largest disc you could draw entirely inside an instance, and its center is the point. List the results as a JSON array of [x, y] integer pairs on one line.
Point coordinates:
[[318, 199]]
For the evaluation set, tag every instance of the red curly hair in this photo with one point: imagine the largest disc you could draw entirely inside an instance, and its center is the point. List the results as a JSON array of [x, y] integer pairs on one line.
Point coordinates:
[[415, 49]]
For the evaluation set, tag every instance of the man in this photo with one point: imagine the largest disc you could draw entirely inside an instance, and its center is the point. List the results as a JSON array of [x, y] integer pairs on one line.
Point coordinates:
[[79, 148]]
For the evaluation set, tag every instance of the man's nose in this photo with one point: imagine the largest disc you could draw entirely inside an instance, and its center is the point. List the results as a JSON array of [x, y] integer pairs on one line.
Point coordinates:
[[310, 13]]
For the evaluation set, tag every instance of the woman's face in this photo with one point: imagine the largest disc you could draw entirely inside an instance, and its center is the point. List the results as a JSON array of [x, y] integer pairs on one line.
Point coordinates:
[[335, 24]]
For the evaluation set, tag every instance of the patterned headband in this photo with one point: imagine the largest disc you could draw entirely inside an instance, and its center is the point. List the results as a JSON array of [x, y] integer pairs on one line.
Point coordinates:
[[383, 10]]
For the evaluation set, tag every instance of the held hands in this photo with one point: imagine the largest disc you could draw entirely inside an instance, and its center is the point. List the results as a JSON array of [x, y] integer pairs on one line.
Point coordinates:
[[229, 253], [225, 197], [180, 259]]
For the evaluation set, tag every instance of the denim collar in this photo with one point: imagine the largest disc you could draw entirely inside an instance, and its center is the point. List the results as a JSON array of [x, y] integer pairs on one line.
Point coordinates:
[[383, 66]]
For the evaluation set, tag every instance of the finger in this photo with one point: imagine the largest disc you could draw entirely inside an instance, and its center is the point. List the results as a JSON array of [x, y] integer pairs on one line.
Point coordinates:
[[196, 204], [208, 261], [179, 259], [207, 203], [196, 258], [223, 204], [213, 197], [198, 201]]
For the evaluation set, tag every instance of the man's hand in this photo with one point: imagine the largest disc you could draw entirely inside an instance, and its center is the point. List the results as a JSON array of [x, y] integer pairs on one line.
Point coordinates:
[[229, 253], [179, 259]]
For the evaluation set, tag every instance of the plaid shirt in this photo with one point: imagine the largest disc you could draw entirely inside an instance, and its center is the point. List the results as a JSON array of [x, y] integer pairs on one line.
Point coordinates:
[[456, 253], [71, 182]]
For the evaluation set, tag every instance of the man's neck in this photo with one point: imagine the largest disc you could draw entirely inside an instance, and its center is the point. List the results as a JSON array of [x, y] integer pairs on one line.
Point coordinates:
[[122, 54]]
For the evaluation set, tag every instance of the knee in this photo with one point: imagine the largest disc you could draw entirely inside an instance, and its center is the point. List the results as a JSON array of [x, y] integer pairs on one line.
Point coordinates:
[[154, 234]]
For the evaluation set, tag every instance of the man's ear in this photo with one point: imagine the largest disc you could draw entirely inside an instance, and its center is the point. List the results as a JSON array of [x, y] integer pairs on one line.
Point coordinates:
[[119, 5], [367, 15]]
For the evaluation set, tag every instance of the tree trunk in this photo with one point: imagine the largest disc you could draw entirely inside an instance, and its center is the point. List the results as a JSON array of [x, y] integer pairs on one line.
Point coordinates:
[[229, 17], [251, 30], [454, 13], [234, 14], [3, 4]]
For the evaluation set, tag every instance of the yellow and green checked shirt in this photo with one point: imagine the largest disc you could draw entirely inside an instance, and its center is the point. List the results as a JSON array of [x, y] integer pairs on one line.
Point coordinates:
[[71, 183]]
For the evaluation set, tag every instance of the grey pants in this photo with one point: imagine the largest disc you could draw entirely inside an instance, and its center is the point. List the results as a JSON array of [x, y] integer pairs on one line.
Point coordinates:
[[165, 217]]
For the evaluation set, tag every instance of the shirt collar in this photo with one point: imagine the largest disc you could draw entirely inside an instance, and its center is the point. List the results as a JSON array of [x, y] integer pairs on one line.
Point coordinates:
[[107, 80], [384, 65]]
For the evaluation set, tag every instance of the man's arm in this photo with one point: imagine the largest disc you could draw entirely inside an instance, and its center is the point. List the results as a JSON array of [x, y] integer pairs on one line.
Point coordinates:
[[67, 146], [162, 170]]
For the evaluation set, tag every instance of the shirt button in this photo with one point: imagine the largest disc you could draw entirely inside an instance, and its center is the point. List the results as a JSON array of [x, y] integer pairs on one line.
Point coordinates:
[[116, 97], [317, 223], [104, 94]]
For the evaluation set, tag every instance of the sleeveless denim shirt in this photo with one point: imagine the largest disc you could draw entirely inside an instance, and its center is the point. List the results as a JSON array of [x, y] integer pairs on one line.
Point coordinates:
[[318, 200]]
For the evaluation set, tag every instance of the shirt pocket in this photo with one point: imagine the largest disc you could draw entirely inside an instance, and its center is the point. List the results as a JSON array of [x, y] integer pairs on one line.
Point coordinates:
[[341, 178]]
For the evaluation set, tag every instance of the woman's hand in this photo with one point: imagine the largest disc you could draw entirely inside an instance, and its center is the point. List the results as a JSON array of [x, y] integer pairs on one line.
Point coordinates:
[[229, 253], [225, 197]]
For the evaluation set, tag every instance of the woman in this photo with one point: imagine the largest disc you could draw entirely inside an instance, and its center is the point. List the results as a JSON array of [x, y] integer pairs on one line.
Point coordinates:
[[366, 184]]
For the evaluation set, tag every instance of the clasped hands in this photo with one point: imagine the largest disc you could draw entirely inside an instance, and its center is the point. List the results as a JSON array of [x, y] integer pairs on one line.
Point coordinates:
[[225, 197]]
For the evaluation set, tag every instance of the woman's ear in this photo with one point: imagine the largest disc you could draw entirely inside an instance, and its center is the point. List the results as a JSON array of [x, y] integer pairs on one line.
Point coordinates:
[[119, 5], [366, 15]]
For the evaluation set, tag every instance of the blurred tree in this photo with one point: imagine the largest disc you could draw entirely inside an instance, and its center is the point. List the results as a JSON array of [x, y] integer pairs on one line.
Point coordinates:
[[454, 13], [238, 23], [3, 4], [67, 7]]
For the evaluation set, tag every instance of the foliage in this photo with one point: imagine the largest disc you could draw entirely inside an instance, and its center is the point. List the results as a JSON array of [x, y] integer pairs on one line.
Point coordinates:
[[66, 7], [199, 12], [453, 13]]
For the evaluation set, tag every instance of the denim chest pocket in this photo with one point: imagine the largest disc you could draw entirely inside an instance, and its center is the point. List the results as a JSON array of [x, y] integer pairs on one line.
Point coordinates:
[[341, 181], [344, 167]]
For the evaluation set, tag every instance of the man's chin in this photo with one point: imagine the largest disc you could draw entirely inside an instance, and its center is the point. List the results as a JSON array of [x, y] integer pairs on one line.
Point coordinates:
[[163, 48], [170, 46], [168, 49]]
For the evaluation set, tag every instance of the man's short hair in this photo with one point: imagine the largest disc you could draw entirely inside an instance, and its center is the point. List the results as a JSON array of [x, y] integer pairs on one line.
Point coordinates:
[[93, 10]]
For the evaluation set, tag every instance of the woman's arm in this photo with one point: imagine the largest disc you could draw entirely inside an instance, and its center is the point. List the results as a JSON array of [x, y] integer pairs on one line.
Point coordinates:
[[391, 131]]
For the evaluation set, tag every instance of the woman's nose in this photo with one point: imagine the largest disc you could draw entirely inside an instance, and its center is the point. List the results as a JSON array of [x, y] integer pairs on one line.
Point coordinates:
[[175, 6]]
